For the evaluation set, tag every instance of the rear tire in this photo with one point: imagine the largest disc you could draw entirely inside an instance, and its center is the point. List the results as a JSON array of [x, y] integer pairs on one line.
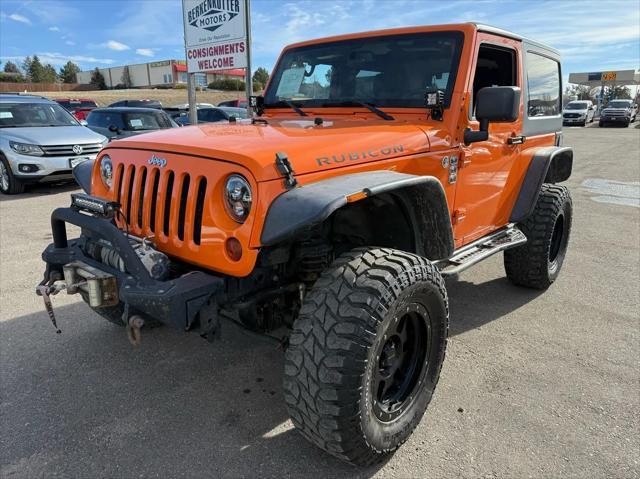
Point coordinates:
[[537, 263], [365, 353], [9, 184]]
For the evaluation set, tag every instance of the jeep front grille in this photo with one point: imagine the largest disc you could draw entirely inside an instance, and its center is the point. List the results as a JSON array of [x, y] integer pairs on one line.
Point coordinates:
[[157, 200], [67, 150]]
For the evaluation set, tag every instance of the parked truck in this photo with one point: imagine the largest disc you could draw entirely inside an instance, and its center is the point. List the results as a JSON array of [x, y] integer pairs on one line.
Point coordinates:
[[377, 165]]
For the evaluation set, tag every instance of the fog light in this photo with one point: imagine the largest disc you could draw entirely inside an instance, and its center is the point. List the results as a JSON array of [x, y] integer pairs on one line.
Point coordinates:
[[234, 249], [27, 168]]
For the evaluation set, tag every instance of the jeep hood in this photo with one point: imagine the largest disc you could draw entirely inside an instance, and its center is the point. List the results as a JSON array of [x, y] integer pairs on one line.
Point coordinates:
[[310, 147]]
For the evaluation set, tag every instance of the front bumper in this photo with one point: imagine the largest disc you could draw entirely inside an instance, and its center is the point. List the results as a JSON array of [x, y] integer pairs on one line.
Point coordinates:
[[573, 120], [50, 168], [175, 302], [613, 119]]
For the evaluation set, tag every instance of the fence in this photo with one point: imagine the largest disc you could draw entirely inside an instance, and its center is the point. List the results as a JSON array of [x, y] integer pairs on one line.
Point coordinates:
[[9, 87]]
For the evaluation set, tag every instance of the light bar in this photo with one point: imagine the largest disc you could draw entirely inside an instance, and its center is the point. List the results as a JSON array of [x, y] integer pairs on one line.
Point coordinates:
[[94, 205]]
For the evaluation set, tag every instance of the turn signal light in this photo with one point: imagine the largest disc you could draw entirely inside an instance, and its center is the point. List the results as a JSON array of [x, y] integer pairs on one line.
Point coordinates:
[[233, 249]]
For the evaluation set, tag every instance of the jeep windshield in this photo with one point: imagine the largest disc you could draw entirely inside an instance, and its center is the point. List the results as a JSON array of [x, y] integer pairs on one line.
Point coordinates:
[[386, 71], [24, 115]]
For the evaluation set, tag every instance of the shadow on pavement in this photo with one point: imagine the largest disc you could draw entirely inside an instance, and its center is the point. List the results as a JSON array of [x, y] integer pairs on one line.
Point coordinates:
[[85, 403], [474, 305], [42, 189]]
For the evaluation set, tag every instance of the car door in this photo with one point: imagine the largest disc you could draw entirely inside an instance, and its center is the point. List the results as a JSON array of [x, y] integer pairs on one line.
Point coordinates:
[[484, 167]]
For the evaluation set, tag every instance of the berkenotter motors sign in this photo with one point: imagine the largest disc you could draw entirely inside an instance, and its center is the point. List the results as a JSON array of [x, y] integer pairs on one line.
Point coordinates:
[[215, 34]]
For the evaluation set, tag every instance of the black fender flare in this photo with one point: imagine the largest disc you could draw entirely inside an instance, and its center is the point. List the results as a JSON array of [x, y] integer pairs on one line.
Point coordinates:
[[299, 210], [82, 174], [551, 164]]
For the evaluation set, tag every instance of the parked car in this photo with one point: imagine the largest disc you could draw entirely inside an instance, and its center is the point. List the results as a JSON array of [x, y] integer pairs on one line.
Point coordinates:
[[78, 107], [331, 221], [619, 112], [116, 123], [212, 115], [185, 106], [239, 103], [40, 141], [578, 112], [138, 104]]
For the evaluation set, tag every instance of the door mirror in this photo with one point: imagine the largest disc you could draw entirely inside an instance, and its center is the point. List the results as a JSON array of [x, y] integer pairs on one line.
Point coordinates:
[[114, 129], [495, 104]]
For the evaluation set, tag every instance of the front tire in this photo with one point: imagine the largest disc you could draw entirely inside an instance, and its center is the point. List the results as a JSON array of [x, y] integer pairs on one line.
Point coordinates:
[[365, 353], [538, 262], [9, 184]]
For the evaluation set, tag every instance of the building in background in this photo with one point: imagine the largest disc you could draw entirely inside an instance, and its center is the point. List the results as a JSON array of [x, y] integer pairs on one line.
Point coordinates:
[[162, 74]]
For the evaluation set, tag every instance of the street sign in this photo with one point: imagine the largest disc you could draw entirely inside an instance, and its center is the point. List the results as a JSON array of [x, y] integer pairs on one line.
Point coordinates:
[[215, 34]]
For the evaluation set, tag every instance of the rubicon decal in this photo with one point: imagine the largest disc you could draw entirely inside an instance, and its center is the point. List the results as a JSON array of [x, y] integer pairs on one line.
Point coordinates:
[[373, 153], [213, 14]]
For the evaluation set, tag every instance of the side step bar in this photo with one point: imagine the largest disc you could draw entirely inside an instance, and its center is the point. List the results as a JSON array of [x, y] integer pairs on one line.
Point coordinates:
[[475, 252]]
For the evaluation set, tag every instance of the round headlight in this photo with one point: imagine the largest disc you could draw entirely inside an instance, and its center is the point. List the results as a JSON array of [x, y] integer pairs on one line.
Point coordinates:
[[106, 171], [237, 198]]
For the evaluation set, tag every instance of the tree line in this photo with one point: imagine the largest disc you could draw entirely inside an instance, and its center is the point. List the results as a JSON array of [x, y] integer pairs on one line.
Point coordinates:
[[33, 70]]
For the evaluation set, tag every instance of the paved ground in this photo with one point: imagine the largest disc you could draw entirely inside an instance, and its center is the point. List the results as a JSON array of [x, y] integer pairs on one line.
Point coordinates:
[[534, 385]]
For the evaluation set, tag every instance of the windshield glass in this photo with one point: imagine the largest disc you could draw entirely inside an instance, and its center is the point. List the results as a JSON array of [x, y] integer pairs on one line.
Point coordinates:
[[619, 104], [22, 115], [73, 104], [386, 71], [577, 106], [145, 121]]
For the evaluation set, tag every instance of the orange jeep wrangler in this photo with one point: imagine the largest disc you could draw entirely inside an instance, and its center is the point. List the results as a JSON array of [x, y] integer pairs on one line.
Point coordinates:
[[377, 164]]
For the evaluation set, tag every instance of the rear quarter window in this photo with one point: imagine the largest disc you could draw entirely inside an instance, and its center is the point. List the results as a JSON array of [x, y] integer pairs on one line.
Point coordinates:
[[543, 83]]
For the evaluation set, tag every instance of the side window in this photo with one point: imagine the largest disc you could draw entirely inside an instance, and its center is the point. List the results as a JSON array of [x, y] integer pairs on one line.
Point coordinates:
[[496, 66], [543, 82]]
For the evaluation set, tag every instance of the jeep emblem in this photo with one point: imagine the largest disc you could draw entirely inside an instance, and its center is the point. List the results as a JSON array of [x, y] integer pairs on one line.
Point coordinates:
[[157, 161], [77, 149]]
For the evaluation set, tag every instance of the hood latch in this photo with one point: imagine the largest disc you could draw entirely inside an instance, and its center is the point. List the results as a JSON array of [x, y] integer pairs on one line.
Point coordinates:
[[284, 167]]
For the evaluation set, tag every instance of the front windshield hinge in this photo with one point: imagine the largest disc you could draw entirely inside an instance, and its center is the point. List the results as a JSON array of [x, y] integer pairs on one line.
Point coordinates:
[[284, 167]]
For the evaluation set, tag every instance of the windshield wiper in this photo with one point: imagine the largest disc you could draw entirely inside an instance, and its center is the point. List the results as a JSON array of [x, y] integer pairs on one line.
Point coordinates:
[[369, 106], [288, 103], [294, 107]]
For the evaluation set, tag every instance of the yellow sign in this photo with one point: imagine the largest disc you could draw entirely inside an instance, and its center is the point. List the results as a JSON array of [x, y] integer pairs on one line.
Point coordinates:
[[608, 76]]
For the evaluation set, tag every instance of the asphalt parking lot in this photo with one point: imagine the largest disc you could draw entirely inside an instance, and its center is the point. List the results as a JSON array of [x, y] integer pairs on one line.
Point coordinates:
[[534, 384]]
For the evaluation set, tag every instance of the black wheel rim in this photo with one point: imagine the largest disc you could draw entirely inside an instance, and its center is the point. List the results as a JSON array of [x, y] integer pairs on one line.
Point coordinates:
[[557, 238], [401, 362]]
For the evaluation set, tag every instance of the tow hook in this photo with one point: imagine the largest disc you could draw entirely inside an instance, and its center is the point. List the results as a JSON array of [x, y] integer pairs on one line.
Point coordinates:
[[47, 290], [134, 325]]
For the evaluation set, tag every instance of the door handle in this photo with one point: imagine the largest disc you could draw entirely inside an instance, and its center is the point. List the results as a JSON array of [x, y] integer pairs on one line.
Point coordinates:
[[516, 140]]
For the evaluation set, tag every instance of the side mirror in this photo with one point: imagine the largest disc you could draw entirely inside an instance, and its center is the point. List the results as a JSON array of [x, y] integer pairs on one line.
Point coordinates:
[[114, 129], [494, 104]]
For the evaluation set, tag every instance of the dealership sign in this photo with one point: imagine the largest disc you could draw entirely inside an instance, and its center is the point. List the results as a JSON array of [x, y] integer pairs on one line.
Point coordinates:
[[215, 34]]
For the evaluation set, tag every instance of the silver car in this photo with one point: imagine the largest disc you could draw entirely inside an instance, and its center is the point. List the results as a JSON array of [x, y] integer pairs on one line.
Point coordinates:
[[40, 141]]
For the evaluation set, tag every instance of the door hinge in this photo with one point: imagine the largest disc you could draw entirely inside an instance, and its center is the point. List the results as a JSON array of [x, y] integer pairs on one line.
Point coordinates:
[[516, 140]]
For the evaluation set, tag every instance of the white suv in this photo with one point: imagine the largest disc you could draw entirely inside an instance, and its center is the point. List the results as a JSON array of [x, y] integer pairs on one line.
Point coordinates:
[[40, 141], [578, 112]]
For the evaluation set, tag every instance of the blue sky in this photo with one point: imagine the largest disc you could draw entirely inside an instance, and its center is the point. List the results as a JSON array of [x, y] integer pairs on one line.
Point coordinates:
[[591, 35]]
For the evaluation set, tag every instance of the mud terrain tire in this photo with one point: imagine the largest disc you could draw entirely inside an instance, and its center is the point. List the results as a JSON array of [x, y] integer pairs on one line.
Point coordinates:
[[537, 263], [365, 353]]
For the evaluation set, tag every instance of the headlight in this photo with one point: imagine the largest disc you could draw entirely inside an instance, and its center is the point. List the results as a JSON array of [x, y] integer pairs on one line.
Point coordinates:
[[106, 171], [25, 149], [237, 198]]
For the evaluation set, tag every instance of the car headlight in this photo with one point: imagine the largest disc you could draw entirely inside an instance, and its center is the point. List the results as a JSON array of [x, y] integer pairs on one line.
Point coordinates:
[[25, 149], [237, 198], [106, 171]]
